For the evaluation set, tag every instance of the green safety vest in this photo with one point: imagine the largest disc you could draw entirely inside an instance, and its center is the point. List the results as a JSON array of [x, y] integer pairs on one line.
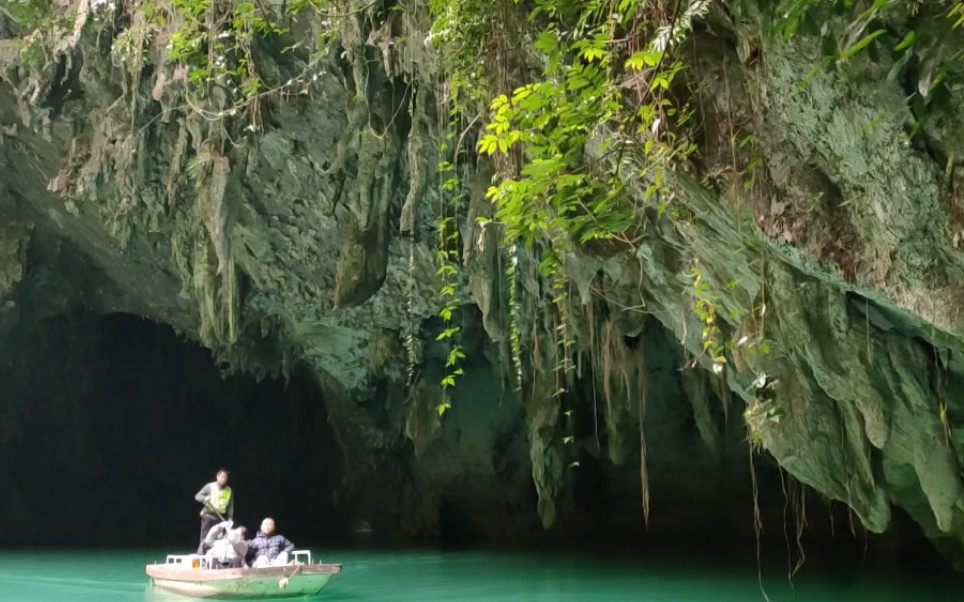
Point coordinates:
[[220, 501]]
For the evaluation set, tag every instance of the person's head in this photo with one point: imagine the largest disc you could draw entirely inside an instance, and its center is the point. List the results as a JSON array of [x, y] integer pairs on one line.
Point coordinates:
[[242, 532], [267, 526], [222, 477]]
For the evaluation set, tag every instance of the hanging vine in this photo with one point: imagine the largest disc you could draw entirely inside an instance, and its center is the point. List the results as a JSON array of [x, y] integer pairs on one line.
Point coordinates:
[[608, 66], [447, 260]]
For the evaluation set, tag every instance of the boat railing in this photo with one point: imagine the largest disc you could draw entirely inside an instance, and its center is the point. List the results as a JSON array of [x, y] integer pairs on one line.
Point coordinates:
[[197, 561], [302, 556]]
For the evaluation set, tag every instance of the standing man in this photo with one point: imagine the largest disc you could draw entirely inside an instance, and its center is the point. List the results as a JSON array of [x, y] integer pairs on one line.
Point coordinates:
[[218, 505]]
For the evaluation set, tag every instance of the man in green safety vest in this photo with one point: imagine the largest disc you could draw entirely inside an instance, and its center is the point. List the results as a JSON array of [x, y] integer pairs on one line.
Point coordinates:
[[218, 505]]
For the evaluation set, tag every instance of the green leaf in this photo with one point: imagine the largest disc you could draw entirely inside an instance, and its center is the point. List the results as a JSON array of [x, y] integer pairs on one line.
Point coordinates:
[[908, 41], [863, 43], [635, 62], [488, 144], [521, 94], [447, 333], [643, 58], [957, 11], [547, 42]]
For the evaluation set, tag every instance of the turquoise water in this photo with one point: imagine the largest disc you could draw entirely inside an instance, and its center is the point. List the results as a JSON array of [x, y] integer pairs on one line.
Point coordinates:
[[475, 576]]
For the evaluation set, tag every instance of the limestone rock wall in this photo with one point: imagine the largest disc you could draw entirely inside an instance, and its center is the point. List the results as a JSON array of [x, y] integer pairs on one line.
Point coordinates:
[[312, 241]]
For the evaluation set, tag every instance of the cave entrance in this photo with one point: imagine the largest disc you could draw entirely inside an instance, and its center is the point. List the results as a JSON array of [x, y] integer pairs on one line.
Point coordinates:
[[111, 424]]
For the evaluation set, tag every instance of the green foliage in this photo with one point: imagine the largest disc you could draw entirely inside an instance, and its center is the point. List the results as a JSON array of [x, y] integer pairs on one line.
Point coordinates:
[[214, 42], [462, 32], [29, 14], [956, 14], [551, 193], [32, 16], [447, 258], [928, 52], [559, 142], [705, 307], [762, 411], [515, 311]]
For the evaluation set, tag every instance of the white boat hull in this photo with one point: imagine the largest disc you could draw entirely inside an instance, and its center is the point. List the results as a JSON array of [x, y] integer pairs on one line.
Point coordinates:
[[269, 582]]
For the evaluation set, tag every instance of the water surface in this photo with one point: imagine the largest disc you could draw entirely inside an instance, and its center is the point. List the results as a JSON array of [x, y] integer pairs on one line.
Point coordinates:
[[486, 575]]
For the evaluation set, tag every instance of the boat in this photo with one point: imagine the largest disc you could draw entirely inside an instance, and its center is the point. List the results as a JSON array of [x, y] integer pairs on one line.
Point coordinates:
[[189, 575]]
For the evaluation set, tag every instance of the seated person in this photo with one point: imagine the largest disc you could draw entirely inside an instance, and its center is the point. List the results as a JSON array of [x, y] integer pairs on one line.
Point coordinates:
[[214, 533], [269, 548], [226, 547]]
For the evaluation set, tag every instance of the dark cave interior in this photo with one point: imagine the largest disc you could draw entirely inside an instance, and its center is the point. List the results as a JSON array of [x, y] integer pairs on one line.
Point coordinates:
[[113, 423]]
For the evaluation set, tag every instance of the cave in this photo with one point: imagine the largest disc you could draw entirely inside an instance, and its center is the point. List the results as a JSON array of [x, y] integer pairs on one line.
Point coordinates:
[[111, 423]]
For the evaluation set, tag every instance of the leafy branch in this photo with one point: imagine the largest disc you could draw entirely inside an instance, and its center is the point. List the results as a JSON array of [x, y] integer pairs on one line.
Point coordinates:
[[447, 261]]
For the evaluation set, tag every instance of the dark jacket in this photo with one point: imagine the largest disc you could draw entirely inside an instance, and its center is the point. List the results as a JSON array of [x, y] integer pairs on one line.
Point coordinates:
[[269, 545]]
